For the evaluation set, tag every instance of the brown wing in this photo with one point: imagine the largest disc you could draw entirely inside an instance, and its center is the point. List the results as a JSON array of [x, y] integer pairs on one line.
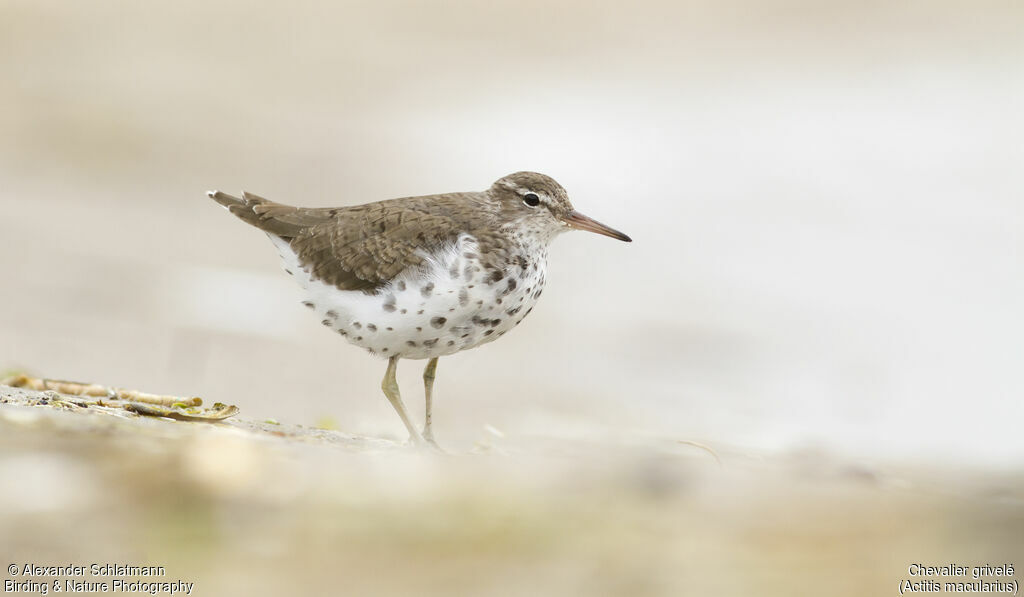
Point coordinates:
[[360, 247], [366, 246]]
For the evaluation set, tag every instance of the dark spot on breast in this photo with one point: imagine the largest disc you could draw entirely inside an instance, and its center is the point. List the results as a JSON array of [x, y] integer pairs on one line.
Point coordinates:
[[451, 343], [521, 261], [426, 290], [438, 322], [404, 311], [497, 301], [528, 289], [326, 322], [343, 332], [308, 304], [420, 312], [480, 302], [357, 325], [430, 343], [465, 335], [401, 285], [463, 296], [385, 350], [389, 304], [332, 314], [511, 286], [488, 332], [528, 311], [513, 311], [410, 343], [358, 338], [495, 276], [536, 295], [371, 327], [391, 329], [287, 271], [419, 329]]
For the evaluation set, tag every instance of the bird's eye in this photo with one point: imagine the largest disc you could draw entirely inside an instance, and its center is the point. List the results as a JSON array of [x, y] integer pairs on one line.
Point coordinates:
[[531, 199]]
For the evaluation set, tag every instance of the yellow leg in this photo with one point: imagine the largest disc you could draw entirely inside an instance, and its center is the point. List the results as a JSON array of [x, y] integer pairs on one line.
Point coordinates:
[[390, 387], [428, 386]]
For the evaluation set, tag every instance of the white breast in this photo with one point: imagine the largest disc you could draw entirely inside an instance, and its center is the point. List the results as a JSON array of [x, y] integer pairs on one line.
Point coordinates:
[[448, 306]]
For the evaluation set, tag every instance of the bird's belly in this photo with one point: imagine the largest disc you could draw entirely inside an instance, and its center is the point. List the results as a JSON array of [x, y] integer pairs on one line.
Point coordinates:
[[453, 306]]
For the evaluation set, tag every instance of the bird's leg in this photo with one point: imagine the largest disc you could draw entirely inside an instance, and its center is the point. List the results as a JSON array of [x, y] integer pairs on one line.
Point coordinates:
[[390, 387], [428, 387]]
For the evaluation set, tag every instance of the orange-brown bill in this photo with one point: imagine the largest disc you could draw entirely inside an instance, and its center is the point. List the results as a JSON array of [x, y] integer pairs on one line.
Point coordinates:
[[581, 222]]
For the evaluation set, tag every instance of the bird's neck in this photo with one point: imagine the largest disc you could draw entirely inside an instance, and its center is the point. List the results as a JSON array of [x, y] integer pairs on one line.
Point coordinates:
[[534, 237]]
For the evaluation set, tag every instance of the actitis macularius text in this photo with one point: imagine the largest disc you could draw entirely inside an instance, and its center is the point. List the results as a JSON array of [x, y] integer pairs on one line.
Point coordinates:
[[422, 277]]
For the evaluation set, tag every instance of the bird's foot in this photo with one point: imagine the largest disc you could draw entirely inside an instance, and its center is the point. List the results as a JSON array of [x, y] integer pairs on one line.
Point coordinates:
[[424, 442], [432, 444]]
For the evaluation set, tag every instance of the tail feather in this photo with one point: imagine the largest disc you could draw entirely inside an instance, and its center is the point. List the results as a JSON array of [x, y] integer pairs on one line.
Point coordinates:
[[225, 199], [270, 217]]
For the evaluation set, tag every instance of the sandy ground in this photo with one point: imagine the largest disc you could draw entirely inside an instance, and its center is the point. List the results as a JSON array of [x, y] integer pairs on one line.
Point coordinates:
[[256, 508]]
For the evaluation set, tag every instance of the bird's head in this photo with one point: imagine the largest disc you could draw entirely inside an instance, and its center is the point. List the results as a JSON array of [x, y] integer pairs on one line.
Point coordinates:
[[536, 202]]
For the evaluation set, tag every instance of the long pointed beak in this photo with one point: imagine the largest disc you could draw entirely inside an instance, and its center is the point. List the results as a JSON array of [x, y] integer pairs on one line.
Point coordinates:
[[581, 222]]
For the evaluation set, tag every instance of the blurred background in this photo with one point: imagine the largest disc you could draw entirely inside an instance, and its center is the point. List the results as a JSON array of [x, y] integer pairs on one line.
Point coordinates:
[[825, 201]]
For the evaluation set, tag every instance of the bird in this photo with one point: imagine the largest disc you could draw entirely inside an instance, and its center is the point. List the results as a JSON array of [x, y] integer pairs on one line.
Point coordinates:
[[422, 277]]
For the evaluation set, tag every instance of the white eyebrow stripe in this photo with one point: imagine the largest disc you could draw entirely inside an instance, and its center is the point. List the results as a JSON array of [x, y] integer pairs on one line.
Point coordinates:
[[523, 191]]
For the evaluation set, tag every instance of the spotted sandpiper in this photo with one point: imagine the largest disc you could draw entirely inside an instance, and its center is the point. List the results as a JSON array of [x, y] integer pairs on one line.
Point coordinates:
[[422, 277]]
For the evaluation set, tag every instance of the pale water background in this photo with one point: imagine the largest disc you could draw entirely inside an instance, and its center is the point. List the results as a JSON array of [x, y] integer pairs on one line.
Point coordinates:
[[825, 201]]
